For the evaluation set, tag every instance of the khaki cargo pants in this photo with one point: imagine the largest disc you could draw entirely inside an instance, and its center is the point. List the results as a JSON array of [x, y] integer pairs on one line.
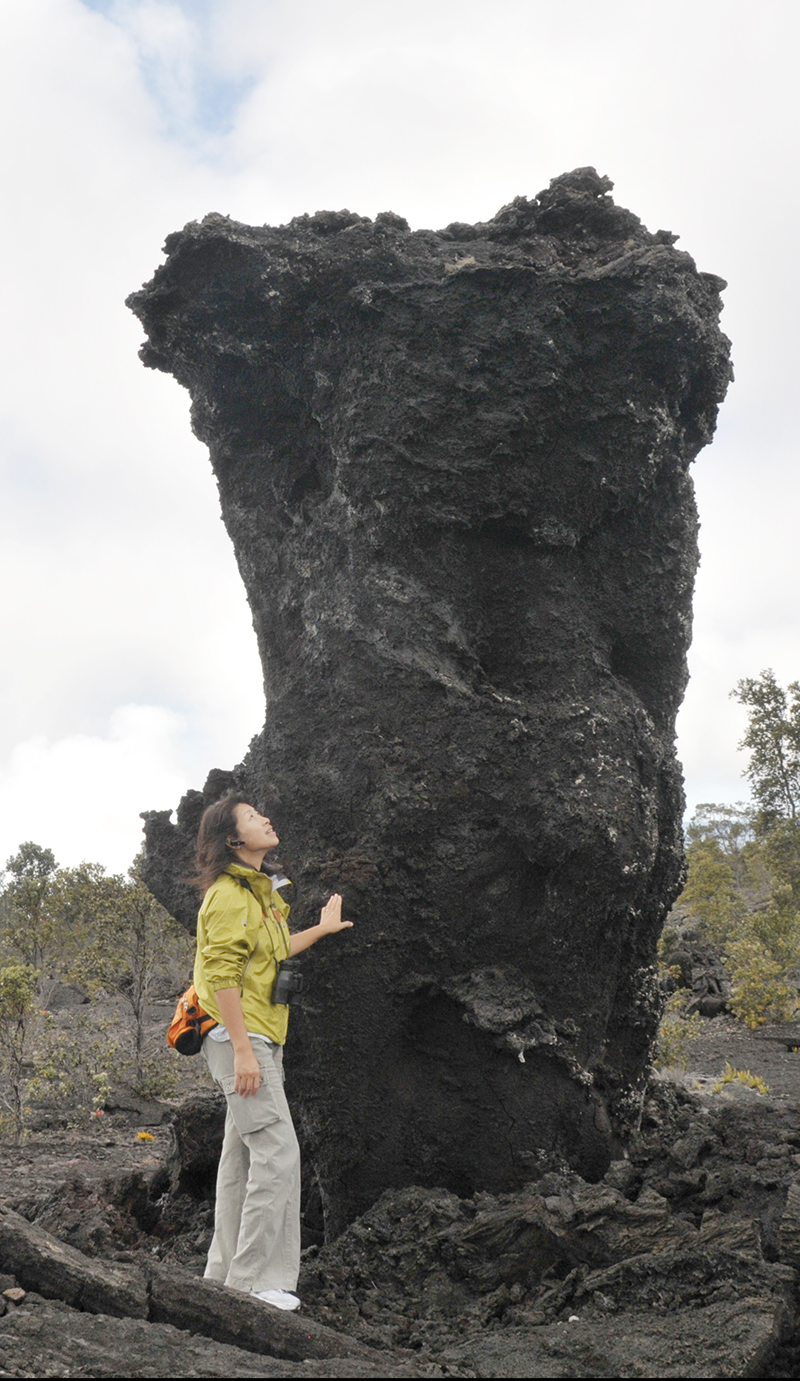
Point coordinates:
[[256, 1243]]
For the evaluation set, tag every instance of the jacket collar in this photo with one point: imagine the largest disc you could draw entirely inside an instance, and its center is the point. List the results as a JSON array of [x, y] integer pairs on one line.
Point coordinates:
[[260, 882], [263, 883]]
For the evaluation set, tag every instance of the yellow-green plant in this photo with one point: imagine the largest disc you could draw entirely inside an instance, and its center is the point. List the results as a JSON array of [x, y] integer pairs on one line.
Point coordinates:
[[17, 1015], [73, 1065], [76, 1068], [157, 1074], [102, 1082], [134, 946], [711, 890], [730, 1075], [777, 927], [743, 891], [760, 991], [676, 1032], [28, 931]]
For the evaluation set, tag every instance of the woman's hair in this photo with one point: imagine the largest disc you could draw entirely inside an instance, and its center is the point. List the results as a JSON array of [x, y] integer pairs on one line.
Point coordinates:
[[214, 853]]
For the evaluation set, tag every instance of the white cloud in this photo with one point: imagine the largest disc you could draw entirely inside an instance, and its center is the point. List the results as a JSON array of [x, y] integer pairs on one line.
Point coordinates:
[[745, 608], [130, 117], [119, 579], [81, 795]]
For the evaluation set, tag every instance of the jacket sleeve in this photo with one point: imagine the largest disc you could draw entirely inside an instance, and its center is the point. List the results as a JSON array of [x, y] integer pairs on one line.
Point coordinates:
[[286, 942], [227, 948]]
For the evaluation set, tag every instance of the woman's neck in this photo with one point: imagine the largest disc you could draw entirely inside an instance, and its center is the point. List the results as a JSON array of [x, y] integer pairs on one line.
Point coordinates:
[[251, 859]]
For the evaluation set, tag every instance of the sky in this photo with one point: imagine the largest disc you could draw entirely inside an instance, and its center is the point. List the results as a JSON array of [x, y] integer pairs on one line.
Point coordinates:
[[124, 119]]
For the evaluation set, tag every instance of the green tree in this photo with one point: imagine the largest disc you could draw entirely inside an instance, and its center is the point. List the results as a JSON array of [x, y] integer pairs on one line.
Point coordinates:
[[731, 828], [50, 916], [27, 927], [135, 959], [773, 742], [108, 934], [760, 990], [779, 851], [743, 885], [17, 1014], [84, 903], [136, 945], [711, 890]]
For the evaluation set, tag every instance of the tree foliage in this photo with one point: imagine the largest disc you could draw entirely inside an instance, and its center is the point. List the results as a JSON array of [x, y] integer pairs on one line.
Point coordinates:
[[712, 892], [730, 828], [29, 928], [742, 894], [135, 944], [773, 741], [107, 934], [17, 1011], [743, 884]]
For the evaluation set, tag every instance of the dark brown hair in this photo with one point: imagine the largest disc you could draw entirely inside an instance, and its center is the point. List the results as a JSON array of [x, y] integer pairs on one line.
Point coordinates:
[[214, 853]]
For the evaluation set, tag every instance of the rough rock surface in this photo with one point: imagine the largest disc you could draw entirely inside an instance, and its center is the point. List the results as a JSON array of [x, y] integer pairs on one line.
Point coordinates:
[[683, 1261], [454, 468], [150, 1291], [47, 1339]]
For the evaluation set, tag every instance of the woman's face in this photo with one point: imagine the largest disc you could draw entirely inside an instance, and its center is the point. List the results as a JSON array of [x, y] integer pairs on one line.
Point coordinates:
[[254, 830]]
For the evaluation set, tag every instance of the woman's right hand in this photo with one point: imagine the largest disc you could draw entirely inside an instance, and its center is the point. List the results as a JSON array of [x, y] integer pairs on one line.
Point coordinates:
[[246, 1070], [330, 919]]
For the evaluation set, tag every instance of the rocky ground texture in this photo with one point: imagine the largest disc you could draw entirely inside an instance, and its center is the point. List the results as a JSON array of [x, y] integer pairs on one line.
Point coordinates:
[[682, 1261]]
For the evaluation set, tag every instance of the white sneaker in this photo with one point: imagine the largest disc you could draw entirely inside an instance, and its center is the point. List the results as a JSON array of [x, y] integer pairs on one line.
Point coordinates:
[[281, 1299]]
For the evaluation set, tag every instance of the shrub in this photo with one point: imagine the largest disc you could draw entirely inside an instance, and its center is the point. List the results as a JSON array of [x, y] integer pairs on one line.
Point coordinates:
[[760, 992], [73, 1067], [676, 1032], [76, 1069], [156, 1074], [743, 894], [711, 891], [777, 927], [17, 1015]]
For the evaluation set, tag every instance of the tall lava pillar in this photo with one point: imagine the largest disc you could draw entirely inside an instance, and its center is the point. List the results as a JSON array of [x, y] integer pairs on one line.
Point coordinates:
[[454, 469]]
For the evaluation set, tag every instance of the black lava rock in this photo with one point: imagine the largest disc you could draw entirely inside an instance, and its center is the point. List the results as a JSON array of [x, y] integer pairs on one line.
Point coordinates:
[[454, 467]]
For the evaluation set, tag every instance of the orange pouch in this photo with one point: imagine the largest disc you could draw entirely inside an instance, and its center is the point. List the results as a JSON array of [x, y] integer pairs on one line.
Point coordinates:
[[189, 1024]]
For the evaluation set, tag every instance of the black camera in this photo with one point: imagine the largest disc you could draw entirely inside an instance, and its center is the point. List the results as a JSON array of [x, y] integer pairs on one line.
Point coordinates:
[[289, 983]]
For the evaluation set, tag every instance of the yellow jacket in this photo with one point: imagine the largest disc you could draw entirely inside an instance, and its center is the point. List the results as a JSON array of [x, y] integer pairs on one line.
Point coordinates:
[[241, 937]]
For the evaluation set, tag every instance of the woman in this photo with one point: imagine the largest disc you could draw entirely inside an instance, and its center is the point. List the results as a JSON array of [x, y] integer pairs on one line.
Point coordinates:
[[242, 936]]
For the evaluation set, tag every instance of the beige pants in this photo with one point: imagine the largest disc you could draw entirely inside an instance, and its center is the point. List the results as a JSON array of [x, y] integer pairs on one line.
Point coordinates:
[[256, 1243]]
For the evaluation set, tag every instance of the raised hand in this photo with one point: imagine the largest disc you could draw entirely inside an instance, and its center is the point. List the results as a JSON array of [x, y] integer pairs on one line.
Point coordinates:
[[330, 919]]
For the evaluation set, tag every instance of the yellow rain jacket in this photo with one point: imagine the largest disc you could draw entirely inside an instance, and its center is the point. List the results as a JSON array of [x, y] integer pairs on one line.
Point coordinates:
[[241, 937]]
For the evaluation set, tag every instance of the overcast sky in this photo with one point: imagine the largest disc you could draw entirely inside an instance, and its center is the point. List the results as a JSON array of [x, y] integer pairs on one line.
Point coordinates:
[[124, 119]]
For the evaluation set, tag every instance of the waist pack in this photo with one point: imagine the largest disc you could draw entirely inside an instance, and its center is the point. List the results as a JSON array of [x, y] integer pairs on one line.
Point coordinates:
[[189, 1024]]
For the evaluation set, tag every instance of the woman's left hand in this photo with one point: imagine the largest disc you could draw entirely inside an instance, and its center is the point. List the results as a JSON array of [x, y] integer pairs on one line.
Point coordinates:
[[331, 916]]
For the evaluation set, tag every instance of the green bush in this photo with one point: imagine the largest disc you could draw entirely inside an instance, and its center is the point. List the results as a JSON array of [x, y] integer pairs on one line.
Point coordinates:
[[676, 1032], [17, 1016], [711, 891], [743, 896], [776, 927], [76, 1069], [760, 991], [73, 1065]]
